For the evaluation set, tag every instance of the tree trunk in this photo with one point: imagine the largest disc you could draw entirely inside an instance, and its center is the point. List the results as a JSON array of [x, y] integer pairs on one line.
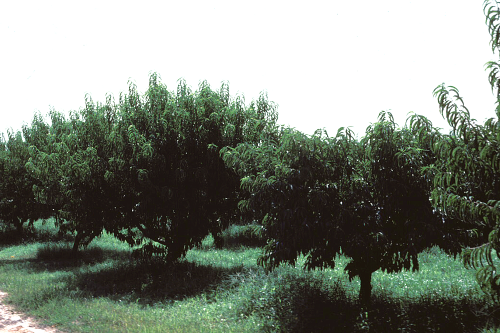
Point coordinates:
[[76, 244], [19, 228], [218, 240], [365, 291]]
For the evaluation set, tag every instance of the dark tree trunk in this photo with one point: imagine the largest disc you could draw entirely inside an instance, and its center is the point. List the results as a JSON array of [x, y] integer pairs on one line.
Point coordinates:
[[76, 244], [218, 240], [19, 228], [365, 291]]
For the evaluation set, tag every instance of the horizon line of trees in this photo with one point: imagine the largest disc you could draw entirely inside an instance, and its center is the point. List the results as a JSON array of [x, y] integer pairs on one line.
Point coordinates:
[[163, 170]]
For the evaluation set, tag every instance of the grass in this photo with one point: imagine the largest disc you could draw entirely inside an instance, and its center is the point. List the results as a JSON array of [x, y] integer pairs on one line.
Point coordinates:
[[223, 290], [237, 235]]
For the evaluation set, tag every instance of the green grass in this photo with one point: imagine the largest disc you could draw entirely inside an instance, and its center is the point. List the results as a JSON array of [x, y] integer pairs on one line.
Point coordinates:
[[241, 235], [223, 290]]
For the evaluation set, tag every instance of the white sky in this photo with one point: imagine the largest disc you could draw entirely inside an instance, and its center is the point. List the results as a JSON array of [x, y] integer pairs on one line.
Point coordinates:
[[325, 63]]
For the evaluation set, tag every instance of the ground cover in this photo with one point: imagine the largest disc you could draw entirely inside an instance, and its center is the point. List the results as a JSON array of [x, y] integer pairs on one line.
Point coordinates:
[[223, 290]]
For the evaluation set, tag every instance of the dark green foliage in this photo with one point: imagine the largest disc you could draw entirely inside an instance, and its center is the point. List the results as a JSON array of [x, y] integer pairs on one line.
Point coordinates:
[[288, 180], [466, 182], [174, 186], [394, 218], [70, 160], [321, 196], [18, 204], [146, 169]]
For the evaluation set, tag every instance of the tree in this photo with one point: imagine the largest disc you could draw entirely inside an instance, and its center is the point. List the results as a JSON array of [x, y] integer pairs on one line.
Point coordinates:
[[295, 185], [146, 169], [397, 221], [321, 196], [69, 158], [466, 185], [175, 188], [18, 204]]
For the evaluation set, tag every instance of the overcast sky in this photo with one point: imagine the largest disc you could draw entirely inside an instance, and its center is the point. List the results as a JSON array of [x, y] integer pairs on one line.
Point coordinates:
[[325, 63]]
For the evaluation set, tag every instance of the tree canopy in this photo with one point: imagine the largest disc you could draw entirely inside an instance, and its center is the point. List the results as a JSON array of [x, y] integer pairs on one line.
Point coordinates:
[[466, 183], [321, 196], [18, 203], [147, 168]]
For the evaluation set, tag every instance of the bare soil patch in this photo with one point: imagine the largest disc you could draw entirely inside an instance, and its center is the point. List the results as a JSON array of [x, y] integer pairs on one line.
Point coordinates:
[[14, 321]]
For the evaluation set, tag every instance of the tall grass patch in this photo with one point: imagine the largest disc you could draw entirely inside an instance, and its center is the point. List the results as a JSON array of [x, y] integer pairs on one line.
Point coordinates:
[[242, 235]]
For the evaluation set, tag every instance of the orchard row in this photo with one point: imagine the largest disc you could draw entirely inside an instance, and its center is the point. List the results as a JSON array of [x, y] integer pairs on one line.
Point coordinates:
[[163, 170]]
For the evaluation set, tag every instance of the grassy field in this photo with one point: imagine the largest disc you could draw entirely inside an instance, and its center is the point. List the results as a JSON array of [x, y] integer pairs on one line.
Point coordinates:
[[216, 290]]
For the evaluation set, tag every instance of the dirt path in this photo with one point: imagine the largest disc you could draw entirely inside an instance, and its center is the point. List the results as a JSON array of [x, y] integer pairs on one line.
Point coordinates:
[[12, 321]]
